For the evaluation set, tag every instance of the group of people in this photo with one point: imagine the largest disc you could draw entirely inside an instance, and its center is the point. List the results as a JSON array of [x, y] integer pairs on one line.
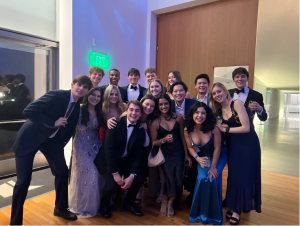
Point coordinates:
[[118, 128]]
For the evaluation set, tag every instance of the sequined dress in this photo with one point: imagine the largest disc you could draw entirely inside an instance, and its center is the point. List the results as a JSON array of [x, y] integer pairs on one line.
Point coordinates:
[[86, 183]]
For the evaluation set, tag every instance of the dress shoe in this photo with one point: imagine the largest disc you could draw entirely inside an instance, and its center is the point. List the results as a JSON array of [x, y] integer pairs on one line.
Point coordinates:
[[133, 209], [65, 213], [105, 212]]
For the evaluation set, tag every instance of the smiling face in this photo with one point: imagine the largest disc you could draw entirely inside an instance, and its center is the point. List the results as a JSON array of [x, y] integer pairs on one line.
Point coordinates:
[[94, 98], [79, 90], [150, 76], [133, 79], [113, 96], [148, 106], [178, 93], [171, 78], [96, 78], [218, 94], [133, 113], [114, 77], [199, 116], [202, 85], [155, 88], [240, 80], [163, 105]]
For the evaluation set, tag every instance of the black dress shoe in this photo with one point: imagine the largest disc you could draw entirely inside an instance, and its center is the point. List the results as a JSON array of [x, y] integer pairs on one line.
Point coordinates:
[[65, 213], [105, 212], [133, 209]]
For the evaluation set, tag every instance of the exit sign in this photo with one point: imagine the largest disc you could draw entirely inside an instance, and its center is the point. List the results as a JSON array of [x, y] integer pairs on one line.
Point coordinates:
[[99, 60]]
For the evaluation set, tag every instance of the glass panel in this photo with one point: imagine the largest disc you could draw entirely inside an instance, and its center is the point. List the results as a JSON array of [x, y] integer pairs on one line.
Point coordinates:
[[23, 78]]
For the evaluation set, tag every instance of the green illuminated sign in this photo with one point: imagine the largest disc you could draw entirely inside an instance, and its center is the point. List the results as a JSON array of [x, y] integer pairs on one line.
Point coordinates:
[[268, 93], [99, 60]]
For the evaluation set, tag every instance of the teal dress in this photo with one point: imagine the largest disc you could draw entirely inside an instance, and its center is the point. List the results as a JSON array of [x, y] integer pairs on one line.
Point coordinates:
[[207, 200]]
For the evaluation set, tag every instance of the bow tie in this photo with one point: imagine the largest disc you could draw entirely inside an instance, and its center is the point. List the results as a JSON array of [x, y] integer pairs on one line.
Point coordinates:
[[131, 125], [133, 87], [240, 91]]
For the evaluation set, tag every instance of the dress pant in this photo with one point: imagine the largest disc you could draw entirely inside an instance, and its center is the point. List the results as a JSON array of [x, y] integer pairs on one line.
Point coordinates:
[[111, 186], [53, 150]]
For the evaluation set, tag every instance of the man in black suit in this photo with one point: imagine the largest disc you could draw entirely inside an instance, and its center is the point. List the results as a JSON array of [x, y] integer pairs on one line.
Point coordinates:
[[249, 97], [51, 121], [180, 103], [114, 77], [134, 91], [121, 156], [201, 84]]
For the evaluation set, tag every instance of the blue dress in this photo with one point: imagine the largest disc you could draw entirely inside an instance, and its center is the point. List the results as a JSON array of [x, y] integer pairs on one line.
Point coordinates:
[[207, 200], [244, 168]]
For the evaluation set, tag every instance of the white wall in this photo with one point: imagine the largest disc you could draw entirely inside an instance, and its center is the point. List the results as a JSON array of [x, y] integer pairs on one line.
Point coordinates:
[[119, 28], [36, 17], [274, 103]]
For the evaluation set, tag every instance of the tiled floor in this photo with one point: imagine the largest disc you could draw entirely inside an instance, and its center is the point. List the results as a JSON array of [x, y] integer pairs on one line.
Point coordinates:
[[279, 140]]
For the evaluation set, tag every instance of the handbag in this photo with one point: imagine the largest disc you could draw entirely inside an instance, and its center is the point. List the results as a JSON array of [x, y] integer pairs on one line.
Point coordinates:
[[157, 159]]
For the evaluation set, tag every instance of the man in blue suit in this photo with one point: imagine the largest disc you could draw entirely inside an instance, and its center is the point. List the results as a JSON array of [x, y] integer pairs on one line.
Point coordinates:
[[114, 78], [51, 121], [201, 84], [180, 103]]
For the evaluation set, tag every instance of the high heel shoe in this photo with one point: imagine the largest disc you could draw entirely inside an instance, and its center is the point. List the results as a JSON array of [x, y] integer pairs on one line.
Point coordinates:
[[170, 210], [164, 208], [236, 221]]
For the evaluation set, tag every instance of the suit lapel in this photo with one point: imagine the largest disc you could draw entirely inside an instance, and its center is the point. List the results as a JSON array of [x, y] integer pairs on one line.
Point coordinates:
[[248, 97], [141, 90], [65, 103], [123, 131]]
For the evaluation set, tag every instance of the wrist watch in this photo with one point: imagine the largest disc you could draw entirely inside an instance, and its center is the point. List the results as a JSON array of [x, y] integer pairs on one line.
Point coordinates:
[[133, 175], [161, 140], [227, 129]]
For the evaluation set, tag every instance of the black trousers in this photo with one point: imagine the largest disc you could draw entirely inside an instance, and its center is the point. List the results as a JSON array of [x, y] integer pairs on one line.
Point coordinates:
[[53, 150], [111, 186]]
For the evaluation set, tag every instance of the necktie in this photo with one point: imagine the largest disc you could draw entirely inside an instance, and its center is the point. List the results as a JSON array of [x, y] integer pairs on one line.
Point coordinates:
[[70, 109], [133, 87], [239, 91], [131, 125]]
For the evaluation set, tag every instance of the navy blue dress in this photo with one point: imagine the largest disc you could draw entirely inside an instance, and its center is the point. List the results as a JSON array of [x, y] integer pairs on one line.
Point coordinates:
[[244, 168], [207, 200]]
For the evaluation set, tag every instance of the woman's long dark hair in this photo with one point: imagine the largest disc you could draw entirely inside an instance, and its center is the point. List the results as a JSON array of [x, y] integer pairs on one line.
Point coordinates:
[[85, 117], [169, 113], [153, 115], [207, 125]]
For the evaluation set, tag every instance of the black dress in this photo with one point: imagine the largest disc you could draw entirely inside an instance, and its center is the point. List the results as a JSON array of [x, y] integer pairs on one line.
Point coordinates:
[[174, 161], [244, 168]]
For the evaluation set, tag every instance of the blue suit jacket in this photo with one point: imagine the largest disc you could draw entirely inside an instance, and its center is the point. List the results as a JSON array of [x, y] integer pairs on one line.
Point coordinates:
[[122, 91], [188, 104], [41, 116]]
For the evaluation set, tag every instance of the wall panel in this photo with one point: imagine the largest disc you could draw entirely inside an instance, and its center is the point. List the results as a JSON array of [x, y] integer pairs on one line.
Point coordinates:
[[217, 34]]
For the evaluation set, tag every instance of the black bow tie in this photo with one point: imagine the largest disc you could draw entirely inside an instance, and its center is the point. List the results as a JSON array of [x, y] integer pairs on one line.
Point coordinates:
[[131, 125], [133, 87], [240, 91]]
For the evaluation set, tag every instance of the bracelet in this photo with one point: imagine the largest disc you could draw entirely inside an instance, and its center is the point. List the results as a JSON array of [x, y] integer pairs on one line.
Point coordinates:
[[227, 129], [196, 156], [161, 140]]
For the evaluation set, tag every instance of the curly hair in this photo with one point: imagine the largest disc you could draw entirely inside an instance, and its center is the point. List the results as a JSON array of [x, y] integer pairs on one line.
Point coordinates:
[[119, 104], [207, 125], [85, 117]]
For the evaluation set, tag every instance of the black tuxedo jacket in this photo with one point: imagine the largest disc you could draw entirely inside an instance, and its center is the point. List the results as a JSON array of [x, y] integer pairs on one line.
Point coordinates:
[[41, 116], [188, 104], [113, 149], [141, 89], [254, 96], [122, 91]]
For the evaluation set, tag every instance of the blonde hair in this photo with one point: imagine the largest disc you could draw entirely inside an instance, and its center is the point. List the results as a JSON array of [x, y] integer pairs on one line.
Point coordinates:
[[119, 104], [214, 105], [177, 75], [158, 81]]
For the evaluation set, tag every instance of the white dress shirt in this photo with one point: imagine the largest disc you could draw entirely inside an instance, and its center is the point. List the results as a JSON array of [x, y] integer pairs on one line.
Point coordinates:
[[69, 105], [204, 100], [180, 109], [133, 94]]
